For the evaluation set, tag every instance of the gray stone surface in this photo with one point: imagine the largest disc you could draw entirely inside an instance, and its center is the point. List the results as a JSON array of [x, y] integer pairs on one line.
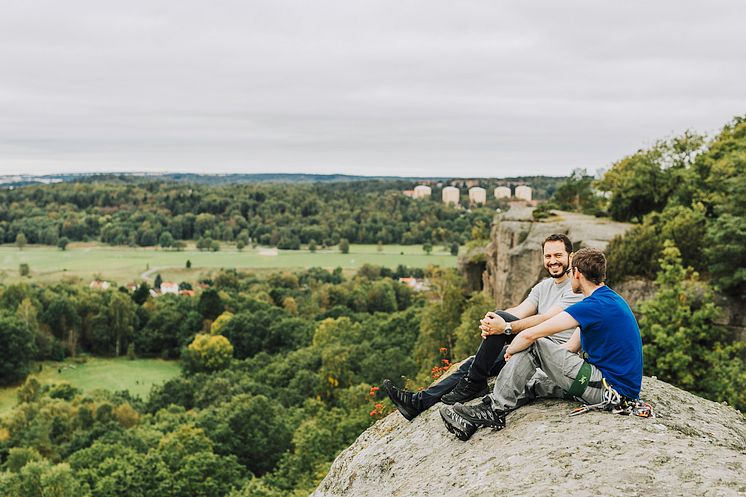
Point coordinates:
[[693, 447]]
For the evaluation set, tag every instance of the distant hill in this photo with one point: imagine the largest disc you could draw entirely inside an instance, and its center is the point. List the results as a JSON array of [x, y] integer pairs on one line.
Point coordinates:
[[220, 179]]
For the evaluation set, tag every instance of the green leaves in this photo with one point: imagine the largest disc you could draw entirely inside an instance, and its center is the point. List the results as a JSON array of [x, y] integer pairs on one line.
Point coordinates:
[[681, 342]]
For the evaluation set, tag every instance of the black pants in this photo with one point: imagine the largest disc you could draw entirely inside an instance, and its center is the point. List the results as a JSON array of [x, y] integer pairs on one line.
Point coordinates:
[[488, 361]]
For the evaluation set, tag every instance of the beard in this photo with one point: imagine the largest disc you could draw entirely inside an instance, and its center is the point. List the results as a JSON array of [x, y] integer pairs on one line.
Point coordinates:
[[559, 274]]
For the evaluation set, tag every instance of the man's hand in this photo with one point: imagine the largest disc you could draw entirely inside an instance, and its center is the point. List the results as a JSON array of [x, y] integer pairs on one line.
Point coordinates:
[[507, 356], [491, 324]]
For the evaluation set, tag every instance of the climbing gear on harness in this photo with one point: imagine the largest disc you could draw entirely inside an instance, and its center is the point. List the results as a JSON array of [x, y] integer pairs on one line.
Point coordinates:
[[617, 404]]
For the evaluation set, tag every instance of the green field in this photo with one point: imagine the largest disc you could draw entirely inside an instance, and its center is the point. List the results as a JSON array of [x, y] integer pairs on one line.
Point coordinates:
[[124, 264], [137, 376]]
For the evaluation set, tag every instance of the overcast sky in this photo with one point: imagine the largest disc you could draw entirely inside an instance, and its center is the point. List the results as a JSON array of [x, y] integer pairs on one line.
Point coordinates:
[[405, 87]]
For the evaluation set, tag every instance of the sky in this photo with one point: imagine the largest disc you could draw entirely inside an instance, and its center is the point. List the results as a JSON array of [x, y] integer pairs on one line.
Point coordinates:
[[406, 87]]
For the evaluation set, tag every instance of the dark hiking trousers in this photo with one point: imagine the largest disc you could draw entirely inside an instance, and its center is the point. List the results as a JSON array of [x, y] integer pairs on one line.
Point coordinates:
[[487, 362]]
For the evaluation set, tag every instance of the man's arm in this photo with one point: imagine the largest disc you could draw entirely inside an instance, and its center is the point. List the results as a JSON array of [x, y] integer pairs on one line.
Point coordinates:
[[492, 324], [523, 310], [573, 344], [561, 321]]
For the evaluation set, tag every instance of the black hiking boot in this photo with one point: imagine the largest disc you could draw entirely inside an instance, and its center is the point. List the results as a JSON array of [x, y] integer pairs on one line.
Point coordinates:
[[464, 391], [481, 415], [403, 400], [456, 424]]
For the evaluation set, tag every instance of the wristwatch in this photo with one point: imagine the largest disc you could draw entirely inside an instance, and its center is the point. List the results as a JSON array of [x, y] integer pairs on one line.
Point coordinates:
[[508, 330]]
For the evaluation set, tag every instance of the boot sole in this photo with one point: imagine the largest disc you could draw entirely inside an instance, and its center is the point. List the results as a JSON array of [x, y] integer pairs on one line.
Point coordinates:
[[482, 423], [461, 435]]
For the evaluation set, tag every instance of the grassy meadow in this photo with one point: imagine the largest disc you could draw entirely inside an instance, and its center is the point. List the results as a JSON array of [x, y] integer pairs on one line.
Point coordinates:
[[125, 264], [112, 374]]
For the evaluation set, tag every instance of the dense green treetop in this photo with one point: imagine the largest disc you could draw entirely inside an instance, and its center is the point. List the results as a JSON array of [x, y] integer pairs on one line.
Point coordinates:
[[150, 212]]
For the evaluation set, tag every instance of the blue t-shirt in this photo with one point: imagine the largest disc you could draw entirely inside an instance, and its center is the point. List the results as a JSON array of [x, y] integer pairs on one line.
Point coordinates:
[[611, 339]]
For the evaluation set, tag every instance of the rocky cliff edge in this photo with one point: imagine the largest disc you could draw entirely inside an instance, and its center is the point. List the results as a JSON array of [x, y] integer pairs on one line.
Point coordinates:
[[693, 448]]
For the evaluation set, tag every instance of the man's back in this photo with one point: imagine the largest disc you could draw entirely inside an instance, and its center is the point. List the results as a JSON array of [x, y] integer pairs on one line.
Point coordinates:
[[610, 337]]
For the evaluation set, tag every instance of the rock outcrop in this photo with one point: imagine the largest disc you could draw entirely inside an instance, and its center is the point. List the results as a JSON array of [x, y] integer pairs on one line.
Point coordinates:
[[693, 447], [514, 257]]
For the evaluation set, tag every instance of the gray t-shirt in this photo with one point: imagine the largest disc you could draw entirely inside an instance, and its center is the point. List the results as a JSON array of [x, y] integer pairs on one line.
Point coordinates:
[[547, 294]]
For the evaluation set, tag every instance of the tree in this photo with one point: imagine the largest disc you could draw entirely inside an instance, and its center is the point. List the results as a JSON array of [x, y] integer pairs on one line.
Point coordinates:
[[344, 246], [240, 244], [440, 318], [24, 269], [220, 322], [41, 479], [215, 246], [381, 297], [203, 244], [18, 457], [312, 246], [179, 245], [454, 248], [141, 293], [428, 248], [191, 466], [63, 242], [166, 240], [21, 241], [27, 314], [644, 181], [726, 253], [576, 193], [243, 238], [62, 318], [121, 319], [158, 282], [210, 304], [188, 264], [207, 353], [16, 348], [681, 342], [635, 253], [251, 427], [467, 334]]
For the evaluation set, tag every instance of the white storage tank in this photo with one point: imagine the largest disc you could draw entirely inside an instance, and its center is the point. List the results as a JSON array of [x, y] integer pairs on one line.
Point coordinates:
[[451, 195], [523, 192], [422, 191], [502, 192], [477, 195]]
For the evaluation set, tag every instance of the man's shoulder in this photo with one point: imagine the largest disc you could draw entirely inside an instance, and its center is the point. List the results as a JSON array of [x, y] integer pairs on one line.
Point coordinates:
[[543, 284]]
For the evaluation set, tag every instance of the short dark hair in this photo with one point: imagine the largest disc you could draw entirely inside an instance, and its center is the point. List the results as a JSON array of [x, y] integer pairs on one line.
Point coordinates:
[[592, 263], [558, 237]]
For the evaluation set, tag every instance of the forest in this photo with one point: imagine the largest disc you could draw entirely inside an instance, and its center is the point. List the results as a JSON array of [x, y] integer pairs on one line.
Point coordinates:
[[280, 372], [125, 210]]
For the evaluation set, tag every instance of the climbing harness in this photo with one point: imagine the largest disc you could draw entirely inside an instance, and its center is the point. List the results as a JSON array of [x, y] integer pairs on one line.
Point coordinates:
[[616, 403]]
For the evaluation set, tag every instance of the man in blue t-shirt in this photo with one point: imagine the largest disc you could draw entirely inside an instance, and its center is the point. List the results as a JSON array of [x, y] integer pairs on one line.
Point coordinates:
[[538, 367]]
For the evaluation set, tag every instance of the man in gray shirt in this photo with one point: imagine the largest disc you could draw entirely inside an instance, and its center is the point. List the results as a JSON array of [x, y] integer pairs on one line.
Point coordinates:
[[546, 299]]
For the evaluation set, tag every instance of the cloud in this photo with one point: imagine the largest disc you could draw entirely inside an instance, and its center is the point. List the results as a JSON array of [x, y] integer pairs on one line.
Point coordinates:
[[377, 87]]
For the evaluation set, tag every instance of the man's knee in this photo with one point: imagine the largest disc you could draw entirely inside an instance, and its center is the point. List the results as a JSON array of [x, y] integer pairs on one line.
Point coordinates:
[[508, 317], [544, 346], [466, 364]]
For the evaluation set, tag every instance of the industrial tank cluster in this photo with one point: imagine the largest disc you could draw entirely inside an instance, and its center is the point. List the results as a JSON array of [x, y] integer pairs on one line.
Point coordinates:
[[477, 195]]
